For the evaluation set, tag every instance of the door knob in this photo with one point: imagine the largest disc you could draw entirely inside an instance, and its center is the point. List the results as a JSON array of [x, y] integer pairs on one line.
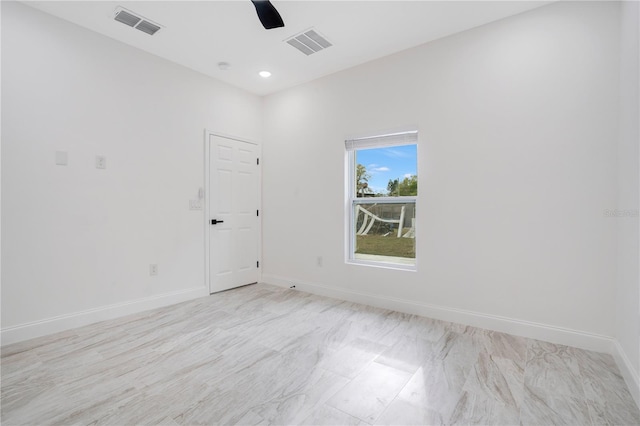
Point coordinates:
[[216, 221]]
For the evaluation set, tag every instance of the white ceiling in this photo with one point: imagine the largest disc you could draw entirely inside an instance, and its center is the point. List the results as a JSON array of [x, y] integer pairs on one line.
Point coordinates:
[[199, 34]]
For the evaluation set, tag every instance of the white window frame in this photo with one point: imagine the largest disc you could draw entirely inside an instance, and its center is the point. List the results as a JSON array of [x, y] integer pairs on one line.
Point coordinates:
[[409, 137]]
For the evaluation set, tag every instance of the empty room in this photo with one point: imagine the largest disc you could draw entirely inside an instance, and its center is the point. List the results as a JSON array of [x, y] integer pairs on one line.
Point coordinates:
[[320, 212]]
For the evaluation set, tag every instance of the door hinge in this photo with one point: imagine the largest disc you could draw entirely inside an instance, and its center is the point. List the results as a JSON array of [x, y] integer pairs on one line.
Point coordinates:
[[258, 161], [257, 264], [257, 212]]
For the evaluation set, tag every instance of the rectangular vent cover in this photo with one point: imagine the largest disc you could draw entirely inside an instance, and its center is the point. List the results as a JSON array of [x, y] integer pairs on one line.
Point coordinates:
[[309, 42], [127, 18], [147, 27], [136, 21]]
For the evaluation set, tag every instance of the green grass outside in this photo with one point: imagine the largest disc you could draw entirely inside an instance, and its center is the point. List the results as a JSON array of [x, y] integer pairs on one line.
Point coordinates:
[[386, 246]]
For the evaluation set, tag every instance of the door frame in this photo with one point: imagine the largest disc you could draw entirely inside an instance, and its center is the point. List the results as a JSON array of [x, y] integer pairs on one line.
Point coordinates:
[[207, 214]]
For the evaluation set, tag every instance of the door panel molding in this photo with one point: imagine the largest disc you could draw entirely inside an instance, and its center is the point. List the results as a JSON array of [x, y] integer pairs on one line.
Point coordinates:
[[207, 197]]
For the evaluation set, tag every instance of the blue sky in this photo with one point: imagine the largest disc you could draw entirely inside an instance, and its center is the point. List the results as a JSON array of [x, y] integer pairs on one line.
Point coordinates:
[[395, 162]]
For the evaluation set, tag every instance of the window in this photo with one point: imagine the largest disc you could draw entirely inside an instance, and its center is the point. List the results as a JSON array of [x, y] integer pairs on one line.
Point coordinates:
[[382, 192]]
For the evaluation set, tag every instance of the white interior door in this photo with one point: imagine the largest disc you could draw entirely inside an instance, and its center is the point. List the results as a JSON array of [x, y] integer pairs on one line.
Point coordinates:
[[233, 211]]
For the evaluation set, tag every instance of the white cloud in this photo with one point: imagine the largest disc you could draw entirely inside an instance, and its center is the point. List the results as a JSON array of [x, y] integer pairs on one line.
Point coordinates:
[[394, 153], [408, 175], [380, 169]]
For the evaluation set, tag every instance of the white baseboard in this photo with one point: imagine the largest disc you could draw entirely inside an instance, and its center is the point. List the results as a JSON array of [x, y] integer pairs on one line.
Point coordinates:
[[533, 330], [545, 332], [47, 326], [628, 371]]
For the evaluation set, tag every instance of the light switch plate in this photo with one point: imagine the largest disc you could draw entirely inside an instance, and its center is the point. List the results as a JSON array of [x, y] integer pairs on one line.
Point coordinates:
[[195, 204], [61, 158], [101, 162]]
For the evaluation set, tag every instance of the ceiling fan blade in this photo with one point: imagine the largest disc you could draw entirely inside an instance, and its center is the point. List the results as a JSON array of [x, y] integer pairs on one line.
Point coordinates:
[[268, 14]]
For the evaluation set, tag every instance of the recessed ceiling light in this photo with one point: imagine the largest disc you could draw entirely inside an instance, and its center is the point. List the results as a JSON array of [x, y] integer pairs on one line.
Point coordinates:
[[265, 74]]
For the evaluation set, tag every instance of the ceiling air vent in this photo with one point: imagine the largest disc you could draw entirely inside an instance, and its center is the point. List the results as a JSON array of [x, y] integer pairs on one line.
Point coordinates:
[[136, 21], [127, 18], [148, 27], [309, 42]]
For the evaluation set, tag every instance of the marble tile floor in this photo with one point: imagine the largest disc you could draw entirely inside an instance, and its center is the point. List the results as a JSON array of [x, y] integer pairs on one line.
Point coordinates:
[[262, 355]]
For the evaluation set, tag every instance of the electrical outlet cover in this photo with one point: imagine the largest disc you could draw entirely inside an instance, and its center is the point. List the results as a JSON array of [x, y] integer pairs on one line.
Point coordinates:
[[61, 158], [101, 162]]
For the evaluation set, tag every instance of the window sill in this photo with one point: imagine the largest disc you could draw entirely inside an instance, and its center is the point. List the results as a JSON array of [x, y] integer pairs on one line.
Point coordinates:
[[388, 262]]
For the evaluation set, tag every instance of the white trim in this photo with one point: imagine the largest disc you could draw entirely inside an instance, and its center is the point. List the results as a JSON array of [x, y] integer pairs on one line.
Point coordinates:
[[382, 140], [349, 214], [349, 178], [627, 370], [533, 330], [52, 325], [352, 200], [403, 199], [227, 136], [207, 214], [388, 131], [411, 267]]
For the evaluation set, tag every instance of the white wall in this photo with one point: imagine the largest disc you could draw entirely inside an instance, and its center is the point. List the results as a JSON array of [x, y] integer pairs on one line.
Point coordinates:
[[627, 307], [518, 160], [75, 238], [517, 163]]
